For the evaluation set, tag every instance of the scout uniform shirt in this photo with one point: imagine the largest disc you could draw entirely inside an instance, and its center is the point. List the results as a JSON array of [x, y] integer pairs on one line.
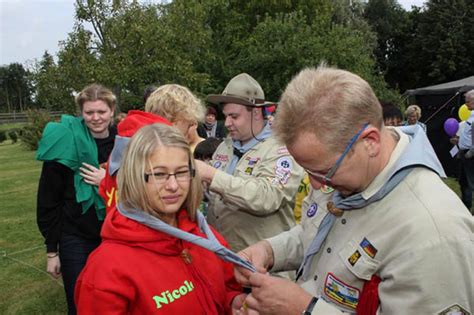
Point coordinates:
[[418, 239], [257, 200]]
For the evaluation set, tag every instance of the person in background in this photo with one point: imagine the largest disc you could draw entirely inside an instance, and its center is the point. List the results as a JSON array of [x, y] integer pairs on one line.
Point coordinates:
[[392, 115], [253, 179], [206, 149], [392, 238], [121, 116], [170, 104], [148, 91], [204, 152], [211, 128], [466, 155], [413, 115], [146, 263], [69, 210]]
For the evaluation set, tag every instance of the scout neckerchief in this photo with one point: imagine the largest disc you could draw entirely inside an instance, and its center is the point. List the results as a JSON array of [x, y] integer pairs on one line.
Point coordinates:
[[70, 143], [240, 150], [210, 243], [418, 153]]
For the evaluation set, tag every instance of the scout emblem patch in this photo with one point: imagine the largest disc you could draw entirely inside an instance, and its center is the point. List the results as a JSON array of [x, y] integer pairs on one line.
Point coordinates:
[[455, 309], [341, 293], [217, 164], [354, 258], [312, 210], [282, 171], [368, 248], [249, 170]]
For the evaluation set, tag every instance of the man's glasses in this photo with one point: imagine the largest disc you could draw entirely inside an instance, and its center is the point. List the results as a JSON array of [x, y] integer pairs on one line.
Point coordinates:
[[326, 178], [181, 176]]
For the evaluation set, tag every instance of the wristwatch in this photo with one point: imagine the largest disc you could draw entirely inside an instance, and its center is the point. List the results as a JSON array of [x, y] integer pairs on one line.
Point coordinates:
[[310, 306]]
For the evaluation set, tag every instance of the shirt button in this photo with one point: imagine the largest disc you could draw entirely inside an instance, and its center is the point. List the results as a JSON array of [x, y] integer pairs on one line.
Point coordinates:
[[315, 277], [328, 250], [343, 221]]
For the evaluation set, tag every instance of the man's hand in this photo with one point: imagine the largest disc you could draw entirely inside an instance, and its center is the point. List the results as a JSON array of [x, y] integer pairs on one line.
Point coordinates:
[[206, 172], [260, 255], [240, 308], [53, 267], [91, 174], [272, 295], [454, 140]]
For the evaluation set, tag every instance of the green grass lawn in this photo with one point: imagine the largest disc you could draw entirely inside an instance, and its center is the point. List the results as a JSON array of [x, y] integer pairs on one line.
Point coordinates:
[[25, 288]]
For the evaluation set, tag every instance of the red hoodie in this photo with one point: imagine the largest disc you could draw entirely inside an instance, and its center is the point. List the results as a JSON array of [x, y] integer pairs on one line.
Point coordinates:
[[138, 270], [126, 128]]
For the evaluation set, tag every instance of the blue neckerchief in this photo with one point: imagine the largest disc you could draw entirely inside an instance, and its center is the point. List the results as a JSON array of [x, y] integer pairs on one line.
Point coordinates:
[[264, 134], [418, 153], [210, 243]]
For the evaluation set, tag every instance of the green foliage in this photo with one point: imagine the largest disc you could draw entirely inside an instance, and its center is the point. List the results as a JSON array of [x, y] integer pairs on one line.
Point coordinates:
[[31, 134], [13, 135], [15, 88], [3, 136]]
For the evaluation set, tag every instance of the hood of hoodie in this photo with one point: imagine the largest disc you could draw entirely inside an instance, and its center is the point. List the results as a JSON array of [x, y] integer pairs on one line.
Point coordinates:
[[127, 128], [136, 119], [120, 229]]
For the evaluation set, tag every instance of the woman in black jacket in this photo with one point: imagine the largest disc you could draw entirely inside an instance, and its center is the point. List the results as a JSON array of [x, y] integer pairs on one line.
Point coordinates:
[[69, 210]]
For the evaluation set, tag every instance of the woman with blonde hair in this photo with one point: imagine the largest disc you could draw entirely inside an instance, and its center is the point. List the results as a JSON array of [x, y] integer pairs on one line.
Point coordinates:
[[157, 254], [413, 115], [181, 107], [70, 211], [170, 104]]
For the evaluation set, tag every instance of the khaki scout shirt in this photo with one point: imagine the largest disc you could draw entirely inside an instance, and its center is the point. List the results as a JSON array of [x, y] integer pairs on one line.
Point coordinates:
[[419, 239], [257, 200]]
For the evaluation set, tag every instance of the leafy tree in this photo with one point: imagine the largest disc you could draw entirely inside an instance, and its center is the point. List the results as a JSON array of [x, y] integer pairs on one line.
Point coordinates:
[[446, 41], [15, 88], [52, 87]]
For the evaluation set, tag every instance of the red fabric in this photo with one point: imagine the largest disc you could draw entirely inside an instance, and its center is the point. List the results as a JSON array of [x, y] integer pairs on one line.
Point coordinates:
[[369, 299], [134, 264], [126, 128]]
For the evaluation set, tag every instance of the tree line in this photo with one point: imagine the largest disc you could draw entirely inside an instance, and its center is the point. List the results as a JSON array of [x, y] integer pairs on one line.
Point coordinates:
[[201, 44]]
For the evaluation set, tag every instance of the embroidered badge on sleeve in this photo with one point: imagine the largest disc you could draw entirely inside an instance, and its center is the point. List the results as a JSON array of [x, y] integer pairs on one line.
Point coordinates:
[[341, 293]]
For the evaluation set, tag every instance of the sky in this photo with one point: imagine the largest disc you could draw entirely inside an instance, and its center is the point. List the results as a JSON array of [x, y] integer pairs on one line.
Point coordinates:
[[29, 27]]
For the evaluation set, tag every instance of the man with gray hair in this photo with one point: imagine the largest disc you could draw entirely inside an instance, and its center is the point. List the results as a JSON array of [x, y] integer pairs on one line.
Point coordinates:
[[392, 239], [253, 179], [466, 154]]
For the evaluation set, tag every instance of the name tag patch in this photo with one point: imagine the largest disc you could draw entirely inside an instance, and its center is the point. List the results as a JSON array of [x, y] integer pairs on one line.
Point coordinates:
[[341, 293], [222, 157]]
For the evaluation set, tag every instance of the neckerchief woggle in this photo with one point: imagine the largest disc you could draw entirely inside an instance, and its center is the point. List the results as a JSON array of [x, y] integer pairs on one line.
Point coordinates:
[[210, 243], [417, 153]]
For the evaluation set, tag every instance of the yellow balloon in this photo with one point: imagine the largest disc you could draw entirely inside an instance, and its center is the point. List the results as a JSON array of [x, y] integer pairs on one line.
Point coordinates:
[[464, 112]]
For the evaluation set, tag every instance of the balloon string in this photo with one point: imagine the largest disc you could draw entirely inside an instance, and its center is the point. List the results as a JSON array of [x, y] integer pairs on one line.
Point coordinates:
[[441, 107]]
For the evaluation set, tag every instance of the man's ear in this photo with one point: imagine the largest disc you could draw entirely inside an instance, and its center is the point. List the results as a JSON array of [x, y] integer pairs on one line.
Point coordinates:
[[372, 138]]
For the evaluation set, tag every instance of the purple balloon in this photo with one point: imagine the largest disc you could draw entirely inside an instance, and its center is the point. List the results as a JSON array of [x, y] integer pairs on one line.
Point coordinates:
[[451, 126]]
